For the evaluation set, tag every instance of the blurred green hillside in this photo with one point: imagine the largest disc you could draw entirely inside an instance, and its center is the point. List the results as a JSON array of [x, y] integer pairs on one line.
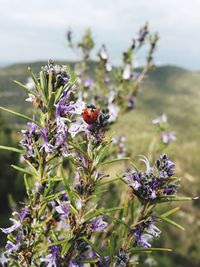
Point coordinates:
[[167, 89]]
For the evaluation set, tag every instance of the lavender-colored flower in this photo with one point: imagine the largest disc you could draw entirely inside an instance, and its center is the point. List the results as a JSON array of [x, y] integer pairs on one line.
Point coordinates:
[[63, 207], [160, 120], [149, 185], [32, 127], [88, 82], [11, 247], [165, 166], [168, 137], [98, 224], [3, 260], [59, 73], [12, 228], [22, 214], [145, 232], [79, 126], [52, 258], [170, 189], [48, 148], [113, 110]]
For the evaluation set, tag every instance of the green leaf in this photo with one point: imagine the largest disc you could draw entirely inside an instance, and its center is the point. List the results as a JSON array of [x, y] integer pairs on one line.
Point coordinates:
[[18, 115], [69, 192], [28, 190], [116, 220], [88, 261], [78, 147], [13, 149], [66, 247], [112, 161], [164, 199], [25, 87], [148, 249], [21, 169], [43, 84], [167, 220], [172, 211], [109, 182]]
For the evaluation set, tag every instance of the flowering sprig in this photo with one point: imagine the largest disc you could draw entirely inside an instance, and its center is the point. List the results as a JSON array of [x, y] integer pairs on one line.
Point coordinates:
[[112, 88], [63, 221], [162, 124]]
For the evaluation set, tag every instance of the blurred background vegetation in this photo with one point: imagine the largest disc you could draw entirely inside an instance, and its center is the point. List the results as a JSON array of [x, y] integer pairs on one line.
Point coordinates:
[[168, 89]]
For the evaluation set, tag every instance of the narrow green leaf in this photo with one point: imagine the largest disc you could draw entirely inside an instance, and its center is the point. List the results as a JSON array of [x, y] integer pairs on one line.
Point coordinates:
[[13, 149], [148, 249], [77, 146], [172, 211], [164, 199], [109, 182], [116, 220], [28, 190], [167, 220], [66, 247], [88, 261], [112, 161], [21, 169], [33, 76], [43, 84], [25, 87], [18, 115]]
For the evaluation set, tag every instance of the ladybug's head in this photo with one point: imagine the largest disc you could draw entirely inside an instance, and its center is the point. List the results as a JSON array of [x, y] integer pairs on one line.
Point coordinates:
[[91, 106]]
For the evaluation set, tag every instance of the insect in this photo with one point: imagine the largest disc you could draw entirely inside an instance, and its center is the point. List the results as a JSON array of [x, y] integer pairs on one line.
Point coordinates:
[[90, 114]]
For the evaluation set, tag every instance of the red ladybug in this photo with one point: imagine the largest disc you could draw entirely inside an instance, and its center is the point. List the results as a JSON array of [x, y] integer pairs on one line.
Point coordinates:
[[90, 114]]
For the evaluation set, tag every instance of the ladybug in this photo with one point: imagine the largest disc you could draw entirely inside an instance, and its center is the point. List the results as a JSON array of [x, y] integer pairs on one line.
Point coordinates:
[[90, 114]]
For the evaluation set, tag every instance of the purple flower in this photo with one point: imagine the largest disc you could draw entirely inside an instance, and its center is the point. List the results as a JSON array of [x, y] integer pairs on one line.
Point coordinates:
[[160, 120], [32, 127], [98, 224], [12, 228], [63, 207], [165, 166], [170, 189], [145, 232], [88, 82], [48, 148], [51, 259], [22, 214], [168, 137], [3, 260], [77, 127]]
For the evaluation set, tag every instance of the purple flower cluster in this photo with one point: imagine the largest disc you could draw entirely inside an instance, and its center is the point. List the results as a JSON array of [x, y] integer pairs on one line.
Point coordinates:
[[154, 182], [59, 74], [144, 233]]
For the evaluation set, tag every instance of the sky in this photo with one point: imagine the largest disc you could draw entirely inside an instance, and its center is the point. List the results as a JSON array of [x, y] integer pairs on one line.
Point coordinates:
[[34, 30]]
